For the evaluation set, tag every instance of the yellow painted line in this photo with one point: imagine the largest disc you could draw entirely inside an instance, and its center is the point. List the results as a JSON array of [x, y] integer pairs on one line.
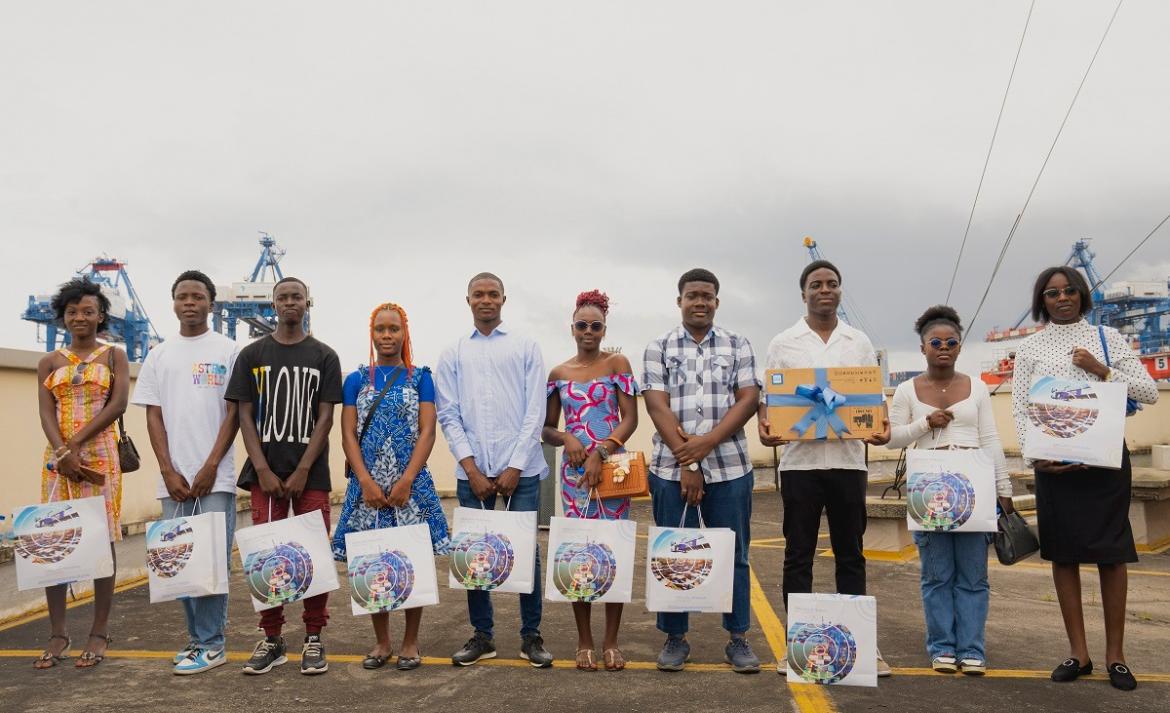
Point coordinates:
[[809, 698], [42, 610], [1020, 673], [1086, 568]]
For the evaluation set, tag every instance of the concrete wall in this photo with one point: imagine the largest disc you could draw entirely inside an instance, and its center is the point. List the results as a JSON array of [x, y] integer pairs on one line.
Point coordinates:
[[23, 441]]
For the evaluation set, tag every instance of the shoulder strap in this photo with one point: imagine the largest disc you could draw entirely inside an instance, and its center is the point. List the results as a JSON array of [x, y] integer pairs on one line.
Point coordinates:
[[1104, 345], [378, 400], [110, 364]]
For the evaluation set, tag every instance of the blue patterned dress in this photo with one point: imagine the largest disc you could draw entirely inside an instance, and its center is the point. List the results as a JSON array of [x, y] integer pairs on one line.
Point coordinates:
[[386, 450]]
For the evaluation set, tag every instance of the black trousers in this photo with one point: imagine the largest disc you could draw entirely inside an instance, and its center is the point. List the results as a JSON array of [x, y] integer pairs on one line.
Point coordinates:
[[806, 494]]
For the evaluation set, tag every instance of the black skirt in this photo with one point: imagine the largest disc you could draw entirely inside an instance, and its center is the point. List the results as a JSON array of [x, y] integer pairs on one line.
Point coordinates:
[[1083, 516]]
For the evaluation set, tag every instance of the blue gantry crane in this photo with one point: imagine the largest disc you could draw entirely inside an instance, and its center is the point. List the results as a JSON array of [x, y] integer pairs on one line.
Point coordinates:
[[250, 301], [128, 322]]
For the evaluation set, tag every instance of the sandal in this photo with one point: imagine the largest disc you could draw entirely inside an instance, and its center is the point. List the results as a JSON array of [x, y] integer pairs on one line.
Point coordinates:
[[89, 659], [374, 661], [51, 658], [585, 660], [614, 661]]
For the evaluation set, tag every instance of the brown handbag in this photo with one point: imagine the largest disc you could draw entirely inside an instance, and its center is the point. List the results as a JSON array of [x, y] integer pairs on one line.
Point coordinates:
[[128, 459], [624, 475]]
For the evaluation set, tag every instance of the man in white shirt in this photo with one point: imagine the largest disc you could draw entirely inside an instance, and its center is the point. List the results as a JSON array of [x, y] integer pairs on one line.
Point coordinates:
[[821, 476], [192, 428]]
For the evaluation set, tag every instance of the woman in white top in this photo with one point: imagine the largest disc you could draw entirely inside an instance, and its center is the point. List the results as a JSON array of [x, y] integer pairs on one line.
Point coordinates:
[[1082, 512], [946, 409]]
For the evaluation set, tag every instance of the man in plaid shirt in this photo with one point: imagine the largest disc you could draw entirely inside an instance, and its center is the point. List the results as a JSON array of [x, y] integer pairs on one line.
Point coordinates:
[[700, 387]]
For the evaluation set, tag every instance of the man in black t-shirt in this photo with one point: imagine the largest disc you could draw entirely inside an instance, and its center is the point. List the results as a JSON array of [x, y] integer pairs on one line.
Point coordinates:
[[287, 384]]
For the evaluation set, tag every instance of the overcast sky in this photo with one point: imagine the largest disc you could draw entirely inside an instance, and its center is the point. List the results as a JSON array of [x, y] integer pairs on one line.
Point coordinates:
[[396, 148]]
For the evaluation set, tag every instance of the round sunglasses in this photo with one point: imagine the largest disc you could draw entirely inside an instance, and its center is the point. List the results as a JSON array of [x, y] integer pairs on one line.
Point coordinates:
[[596, 325], [936, 343]]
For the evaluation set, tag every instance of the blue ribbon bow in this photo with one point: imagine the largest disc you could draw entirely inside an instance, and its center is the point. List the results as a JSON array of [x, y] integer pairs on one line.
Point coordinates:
[[823, 402]]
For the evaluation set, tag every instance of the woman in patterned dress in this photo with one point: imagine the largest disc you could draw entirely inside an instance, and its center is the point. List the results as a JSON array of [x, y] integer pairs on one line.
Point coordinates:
[[596, 391], [389, 484], [78, 409], [1082, 512]]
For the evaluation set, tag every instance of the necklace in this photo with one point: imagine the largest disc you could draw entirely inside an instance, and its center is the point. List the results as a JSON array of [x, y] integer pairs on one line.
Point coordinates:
[[583, 364], [943, 389]]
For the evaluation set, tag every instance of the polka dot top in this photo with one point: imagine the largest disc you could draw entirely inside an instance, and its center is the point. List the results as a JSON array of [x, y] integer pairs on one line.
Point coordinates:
[[1049, 353]]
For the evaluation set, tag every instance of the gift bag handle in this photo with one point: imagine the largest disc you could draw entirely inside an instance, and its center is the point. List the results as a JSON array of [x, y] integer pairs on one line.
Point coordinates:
[[699, 509]]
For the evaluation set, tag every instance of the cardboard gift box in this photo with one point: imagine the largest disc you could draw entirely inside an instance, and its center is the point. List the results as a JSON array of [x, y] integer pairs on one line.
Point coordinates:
[[833, 402]]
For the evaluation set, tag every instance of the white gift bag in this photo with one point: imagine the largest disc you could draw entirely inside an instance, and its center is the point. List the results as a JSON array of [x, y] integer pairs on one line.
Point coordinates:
[[61, 542], [1075, 421], [690, 569], [950, 491], [832, 639], [493, 550], [287, 560], [590, 560], [186, 556], [391, 568]]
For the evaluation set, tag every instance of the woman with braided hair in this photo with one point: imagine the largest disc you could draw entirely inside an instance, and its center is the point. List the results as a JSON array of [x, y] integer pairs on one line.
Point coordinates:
[[388, 430], [596, 390]]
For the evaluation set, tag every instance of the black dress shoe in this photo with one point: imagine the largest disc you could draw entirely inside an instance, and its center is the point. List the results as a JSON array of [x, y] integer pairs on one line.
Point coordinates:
[[1070, 670], [1120, 677]]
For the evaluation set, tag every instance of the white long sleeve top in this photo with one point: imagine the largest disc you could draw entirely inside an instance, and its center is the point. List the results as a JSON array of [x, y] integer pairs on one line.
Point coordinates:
[[972, 427]]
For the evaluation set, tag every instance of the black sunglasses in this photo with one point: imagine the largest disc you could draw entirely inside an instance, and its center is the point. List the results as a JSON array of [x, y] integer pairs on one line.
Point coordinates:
[[596, 325], [1054, 292], [936, 343]]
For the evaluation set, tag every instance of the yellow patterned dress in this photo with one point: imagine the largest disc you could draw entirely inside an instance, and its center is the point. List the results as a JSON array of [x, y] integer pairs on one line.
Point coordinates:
[[78, 404]]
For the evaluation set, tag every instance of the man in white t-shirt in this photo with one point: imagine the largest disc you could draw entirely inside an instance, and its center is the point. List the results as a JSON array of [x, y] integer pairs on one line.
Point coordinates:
[[192, 429]]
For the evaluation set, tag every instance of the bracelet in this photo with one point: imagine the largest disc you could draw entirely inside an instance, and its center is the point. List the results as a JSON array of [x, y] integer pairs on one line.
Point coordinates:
[[62, 452]]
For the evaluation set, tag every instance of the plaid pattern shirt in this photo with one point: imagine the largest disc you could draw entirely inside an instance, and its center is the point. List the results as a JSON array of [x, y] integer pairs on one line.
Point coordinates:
[[701, 379]]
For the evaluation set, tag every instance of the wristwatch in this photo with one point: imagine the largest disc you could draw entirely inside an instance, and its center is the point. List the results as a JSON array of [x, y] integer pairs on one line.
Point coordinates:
[[693, 467], [603, 451]]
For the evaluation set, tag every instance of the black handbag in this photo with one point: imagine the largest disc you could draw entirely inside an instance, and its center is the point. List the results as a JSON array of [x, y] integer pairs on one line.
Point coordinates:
[[128, 459], [1014, 540]]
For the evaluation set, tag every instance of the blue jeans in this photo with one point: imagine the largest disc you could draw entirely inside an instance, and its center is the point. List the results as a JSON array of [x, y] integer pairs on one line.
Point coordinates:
[[955, 592], [207, 616], [727, 504], [526, 498]]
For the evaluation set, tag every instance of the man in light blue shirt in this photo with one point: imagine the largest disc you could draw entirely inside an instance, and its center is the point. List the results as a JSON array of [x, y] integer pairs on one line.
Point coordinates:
[[490, 395]]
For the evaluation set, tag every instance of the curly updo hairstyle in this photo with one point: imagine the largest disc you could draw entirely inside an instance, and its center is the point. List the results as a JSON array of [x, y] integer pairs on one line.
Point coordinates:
[[593, 298], [938, 314]]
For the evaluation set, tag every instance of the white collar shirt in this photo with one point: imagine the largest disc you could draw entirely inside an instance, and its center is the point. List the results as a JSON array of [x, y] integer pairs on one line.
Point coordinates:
[[799, 347]]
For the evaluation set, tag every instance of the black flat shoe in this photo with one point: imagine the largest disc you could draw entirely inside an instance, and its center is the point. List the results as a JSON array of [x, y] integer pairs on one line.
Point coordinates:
[[1120, 677], [372, 661], [1070, 670], [408, 664]]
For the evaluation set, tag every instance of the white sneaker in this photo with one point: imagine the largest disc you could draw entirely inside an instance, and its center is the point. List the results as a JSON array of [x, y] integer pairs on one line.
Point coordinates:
[[782, 667], [944, 664], [200, 660], [973, 667], [883, 668]]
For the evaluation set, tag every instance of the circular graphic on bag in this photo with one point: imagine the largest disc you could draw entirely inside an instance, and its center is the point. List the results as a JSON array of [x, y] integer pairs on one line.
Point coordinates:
[[680, 559], [940, 501], [584, 571], [169, 544], [481, 560], [279, 575], [47, 533], [1062, 409], [820, 653], [381, 582]]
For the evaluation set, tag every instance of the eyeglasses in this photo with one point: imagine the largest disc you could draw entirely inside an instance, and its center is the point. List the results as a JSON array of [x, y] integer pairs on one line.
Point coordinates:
[[79, 373], [596, 325], [936, 343], [1054, 292]]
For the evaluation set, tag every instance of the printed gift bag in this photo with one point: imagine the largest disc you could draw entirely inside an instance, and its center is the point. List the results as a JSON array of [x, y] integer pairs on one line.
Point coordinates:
[[1077, 421], [689, 569], [186, 556], [590, 560], [950, 491], [832, 639], [493, 550], [391, 568], [287, 560], [61, 542]]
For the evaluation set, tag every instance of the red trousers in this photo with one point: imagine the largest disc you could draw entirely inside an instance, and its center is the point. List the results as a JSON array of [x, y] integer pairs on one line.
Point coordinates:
[[316, 614]]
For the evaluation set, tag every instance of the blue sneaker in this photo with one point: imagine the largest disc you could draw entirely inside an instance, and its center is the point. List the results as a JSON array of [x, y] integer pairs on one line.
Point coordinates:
[[200, 660], [740, 655], [183, 653], [675, 654]]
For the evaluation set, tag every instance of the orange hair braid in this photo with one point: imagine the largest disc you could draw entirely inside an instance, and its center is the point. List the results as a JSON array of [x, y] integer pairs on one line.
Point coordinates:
[[406, 351]]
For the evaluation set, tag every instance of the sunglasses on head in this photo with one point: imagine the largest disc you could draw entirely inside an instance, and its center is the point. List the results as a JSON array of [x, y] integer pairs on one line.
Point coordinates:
[[1054, 292], [936, 343], [596, 325]]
